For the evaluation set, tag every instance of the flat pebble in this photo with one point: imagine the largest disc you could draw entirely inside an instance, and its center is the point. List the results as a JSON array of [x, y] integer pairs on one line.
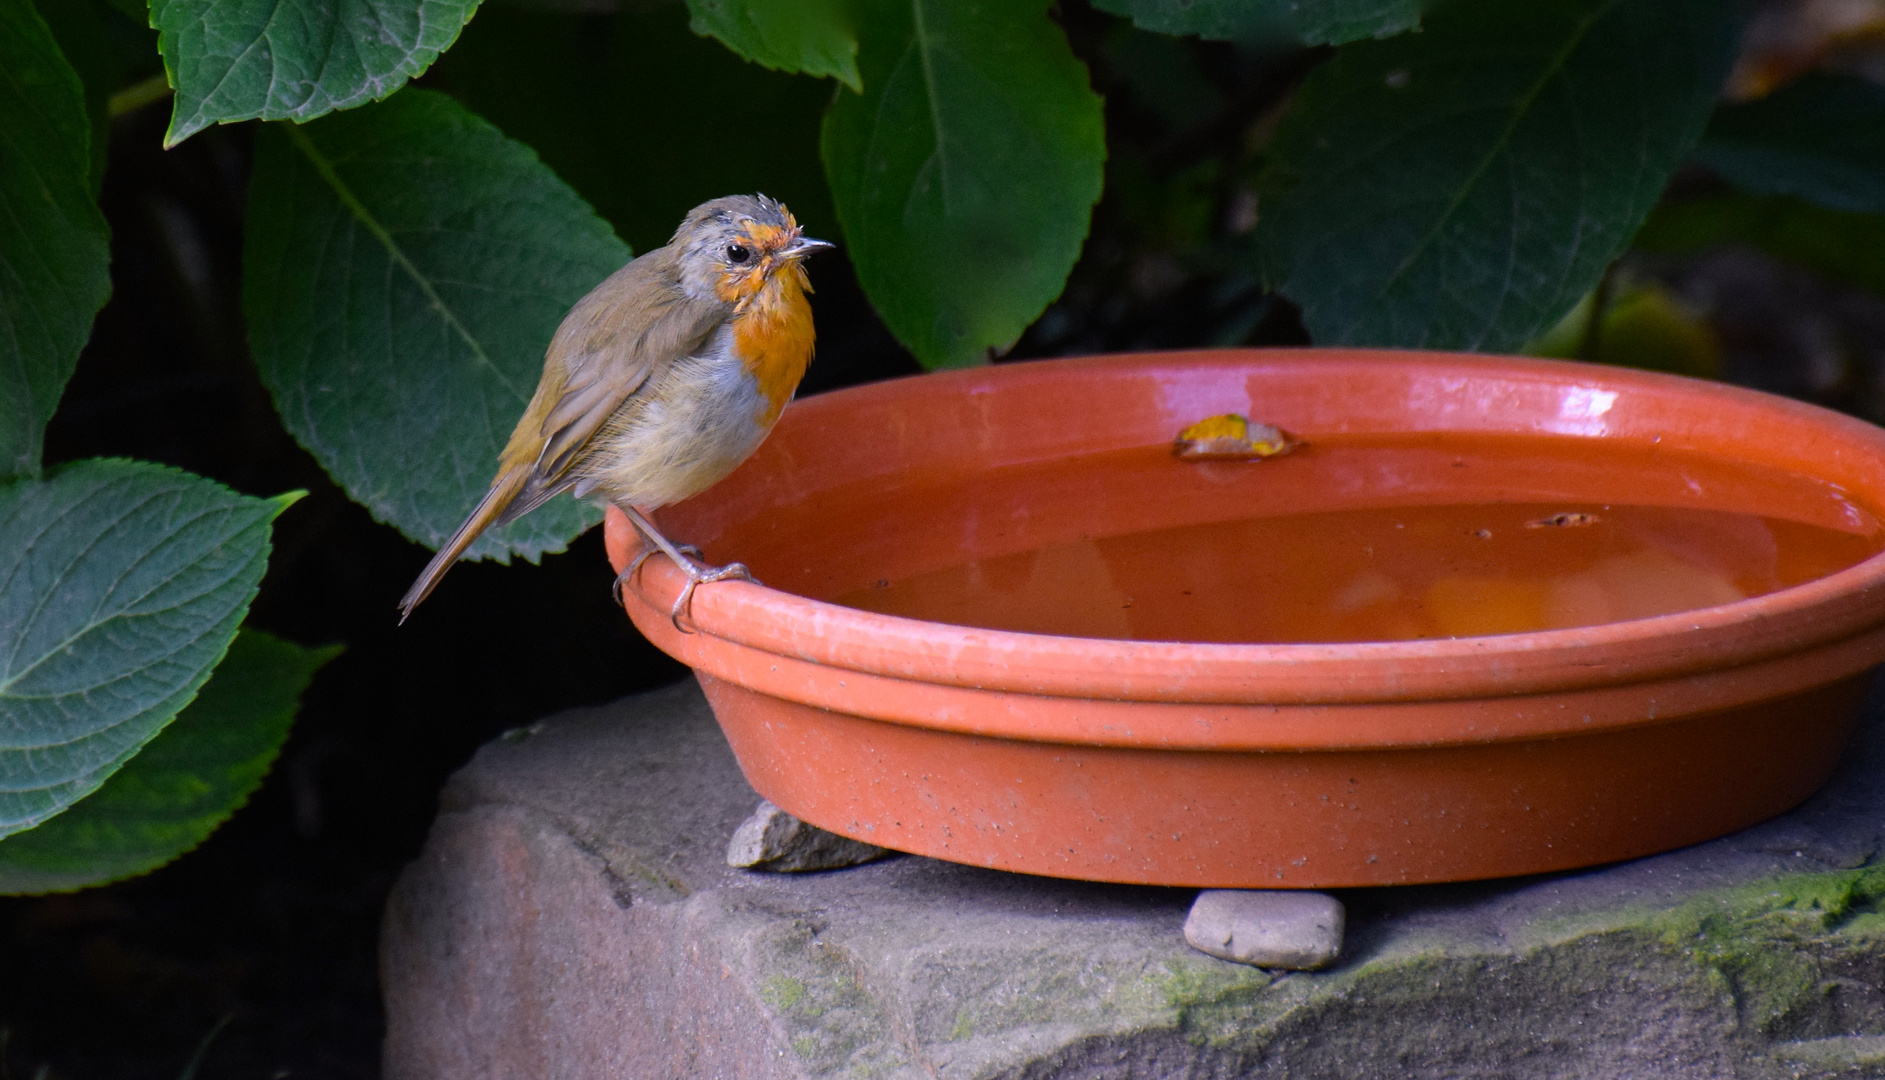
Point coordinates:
[[774, 840], [1271, 928]]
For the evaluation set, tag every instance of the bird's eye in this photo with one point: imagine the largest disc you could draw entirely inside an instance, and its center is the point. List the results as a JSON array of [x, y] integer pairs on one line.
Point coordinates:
[[737, 254]]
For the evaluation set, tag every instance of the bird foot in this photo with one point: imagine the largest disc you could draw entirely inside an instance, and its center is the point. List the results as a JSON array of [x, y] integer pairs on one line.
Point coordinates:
[[647, 549], [704, 575], [697, 573]]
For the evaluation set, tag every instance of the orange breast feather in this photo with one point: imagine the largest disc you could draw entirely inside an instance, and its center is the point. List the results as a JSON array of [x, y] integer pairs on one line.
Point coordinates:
[[773, 334]]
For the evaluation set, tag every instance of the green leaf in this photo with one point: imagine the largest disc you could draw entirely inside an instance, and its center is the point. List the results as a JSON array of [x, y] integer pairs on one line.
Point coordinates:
[[121, 584], [1821, 138], [182, 785], [404, 269], [294, 59], [811, 37], [595, 130], [965, 174], [1313, 22], [1841, 246], [1646, 326], [80, 32], [54, 244], [1463, 187]]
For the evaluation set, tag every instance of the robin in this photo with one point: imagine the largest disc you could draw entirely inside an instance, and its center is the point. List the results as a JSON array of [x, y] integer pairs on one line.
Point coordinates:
[[660, 382]]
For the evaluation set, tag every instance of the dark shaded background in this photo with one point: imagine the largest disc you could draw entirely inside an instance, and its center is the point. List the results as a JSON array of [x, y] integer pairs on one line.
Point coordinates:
[[265, 937]]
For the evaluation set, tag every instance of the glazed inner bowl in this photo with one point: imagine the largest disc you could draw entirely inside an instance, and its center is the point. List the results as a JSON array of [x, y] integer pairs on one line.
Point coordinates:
[[1506, 580]]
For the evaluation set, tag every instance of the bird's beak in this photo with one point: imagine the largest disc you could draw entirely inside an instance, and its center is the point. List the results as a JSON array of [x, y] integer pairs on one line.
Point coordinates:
[[804, 246]]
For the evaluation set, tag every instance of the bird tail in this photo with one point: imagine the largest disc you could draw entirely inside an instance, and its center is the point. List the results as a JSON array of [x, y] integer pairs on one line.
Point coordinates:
[[503, 490]]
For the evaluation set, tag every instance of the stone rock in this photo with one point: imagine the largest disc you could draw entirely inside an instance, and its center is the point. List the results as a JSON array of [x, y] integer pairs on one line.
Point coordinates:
[[1272, 928], [572, 916], [774, 840]]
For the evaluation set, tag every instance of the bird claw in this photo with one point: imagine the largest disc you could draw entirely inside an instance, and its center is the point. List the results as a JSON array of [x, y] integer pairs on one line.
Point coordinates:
[[697, 575], [621, 579]]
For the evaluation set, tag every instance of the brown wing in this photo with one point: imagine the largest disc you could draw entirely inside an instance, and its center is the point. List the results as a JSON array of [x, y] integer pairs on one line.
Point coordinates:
[[603, 352]]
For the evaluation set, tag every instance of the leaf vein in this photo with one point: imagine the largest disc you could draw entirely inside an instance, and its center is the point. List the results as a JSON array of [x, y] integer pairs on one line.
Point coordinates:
[[398, 255], [1553, 69], [941, 155]]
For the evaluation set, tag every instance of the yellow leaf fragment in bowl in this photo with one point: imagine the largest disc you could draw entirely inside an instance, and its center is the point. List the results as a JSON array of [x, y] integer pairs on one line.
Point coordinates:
[[1231, 437]]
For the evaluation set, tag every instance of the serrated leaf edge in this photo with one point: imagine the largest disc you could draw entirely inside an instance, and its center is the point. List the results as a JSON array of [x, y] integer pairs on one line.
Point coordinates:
[[94, 225], [184, 694], [180, 128], [320, 657], [845, 73], [14, 676]]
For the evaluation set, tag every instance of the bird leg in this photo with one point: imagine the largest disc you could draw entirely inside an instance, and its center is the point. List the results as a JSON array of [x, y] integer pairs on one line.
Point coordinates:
[[641, 556], [685, 556]]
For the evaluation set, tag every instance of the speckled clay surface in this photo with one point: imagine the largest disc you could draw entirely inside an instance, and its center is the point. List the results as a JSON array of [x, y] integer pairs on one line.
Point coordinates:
[[1264, 765]]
